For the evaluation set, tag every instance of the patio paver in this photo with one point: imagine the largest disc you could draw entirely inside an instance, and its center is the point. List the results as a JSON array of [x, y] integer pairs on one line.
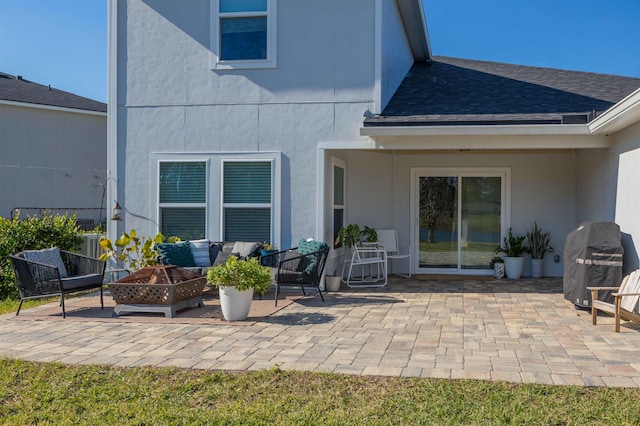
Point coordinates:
[[514, 331]]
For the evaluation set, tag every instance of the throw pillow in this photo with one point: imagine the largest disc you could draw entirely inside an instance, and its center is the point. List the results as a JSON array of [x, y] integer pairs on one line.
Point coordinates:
[[200, 252], [223, 257], [214, 249], [178, 254], [245, 249], [49, 257]]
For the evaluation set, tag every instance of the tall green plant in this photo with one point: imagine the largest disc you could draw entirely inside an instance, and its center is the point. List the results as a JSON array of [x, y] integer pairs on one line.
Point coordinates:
[[33, 233], [131, 251], [539, 242]]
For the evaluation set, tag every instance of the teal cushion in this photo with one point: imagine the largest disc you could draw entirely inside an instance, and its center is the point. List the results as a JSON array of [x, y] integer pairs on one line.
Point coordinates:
[[310, 262], [178, 254], [306, 247]]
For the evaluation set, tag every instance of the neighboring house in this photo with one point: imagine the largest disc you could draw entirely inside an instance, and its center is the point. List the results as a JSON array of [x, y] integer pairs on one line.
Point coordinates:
[[54, 147], [276, 120]]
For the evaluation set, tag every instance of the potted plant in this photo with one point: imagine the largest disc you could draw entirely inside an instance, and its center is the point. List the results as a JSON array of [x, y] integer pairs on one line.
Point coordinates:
[[268, 249], [348, 236], [538, 246], [237, 280], [514, 250], [497, 264], [352, 235], [369, 235]]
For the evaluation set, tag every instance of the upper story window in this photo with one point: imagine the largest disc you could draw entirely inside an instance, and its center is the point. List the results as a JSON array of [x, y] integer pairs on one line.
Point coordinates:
[[243, 34]]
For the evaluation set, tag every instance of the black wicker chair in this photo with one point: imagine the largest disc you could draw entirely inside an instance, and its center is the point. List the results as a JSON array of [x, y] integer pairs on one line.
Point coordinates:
[[292, 269], [36, 280]]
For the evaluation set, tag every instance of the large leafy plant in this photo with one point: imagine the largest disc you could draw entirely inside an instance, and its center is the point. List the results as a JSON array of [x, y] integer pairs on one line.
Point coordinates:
[[513, 245], [242, 274], [351, 235], [131, 251]]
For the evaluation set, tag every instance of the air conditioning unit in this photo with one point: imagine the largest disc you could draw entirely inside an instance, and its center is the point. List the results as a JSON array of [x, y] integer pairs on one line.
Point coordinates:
[[91, 245]]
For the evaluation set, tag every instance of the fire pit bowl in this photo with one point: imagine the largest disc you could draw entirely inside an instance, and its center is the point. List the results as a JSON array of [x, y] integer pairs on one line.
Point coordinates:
[[162, 288]]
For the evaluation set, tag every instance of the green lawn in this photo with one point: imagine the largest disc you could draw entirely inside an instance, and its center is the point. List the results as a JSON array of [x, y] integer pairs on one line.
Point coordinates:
[[32, 393], [11, 305]]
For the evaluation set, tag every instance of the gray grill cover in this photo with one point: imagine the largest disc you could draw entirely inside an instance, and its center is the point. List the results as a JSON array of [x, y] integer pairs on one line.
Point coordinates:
[[592, 258]]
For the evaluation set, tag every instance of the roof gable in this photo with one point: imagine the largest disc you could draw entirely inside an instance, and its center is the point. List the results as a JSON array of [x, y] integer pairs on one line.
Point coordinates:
[[17, 89]]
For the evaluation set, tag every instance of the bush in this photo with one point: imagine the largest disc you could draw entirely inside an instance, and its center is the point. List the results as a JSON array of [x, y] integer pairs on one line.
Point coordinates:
[[33, 233]]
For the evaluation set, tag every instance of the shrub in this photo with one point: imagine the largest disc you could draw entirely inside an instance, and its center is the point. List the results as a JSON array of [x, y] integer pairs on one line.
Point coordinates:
[[33, 233], [242, 274]]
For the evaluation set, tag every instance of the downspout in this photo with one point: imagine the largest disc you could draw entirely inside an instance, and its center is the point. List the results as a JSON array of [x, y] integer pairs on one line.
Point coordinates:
[[377, 59], [112, 118]]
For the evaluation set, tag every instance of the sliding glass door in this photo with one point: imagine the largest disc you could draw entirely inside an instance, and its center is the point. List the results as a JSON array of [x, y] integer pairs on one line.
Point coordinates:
[[460, 217]]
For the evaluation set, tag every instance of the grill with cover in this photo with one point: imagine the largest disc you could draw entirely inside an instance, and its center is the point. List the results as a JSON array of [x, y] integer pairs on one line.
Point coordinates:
[[592, 258]]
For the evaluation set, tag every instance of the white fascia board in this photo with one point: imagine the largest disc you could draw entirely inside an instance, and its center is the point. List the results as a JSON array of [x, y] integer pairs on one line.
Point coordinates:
[[621, 115], [498, 130], [348, 145], [415, 24], [499, 142], [53, 108]]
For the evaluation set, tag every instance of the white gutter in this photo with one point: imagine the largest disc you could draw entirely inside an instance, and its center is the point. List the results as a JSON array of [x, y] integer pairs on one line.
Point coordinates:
[[497, 130], [52, 108], [619, 116]]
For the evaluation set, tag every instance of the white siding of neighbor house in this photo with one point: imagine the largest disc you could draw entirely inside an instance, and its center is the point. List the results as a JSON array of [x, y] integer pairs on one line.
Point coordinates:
[[170, 101], [51, 159]]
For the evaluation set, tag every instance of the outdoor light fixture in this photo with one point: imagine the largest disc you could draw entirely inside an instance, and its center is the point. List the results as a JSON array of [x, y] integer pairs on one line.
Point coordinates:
[[117, 212]]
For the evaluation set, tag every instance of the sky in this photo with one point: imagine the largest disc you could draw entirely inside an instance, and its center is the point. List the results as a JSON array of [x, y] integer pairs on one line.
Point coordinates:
[[64, 42]]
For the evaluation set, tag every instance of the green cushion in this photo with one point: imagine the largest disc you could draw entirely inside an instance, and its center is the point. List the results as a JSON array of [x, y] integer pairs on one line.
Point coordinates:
[[178, 254]]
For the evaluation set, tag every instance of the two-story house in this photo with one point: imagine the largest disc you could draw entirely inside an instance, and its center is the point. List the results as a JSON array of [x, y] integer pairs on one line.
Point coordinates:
[[276, 120], [54, 145]]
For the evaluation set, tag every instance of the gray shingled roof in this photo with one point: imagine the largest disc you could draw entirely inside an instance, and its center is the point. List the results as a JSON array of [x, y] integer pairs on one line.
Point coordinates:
[[451, 91], [20, 90]]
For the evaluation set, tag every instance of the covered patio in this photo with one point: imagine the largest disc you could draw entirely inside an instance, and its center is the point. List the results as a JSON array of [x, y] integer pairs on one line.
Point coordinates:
[[430, 326]]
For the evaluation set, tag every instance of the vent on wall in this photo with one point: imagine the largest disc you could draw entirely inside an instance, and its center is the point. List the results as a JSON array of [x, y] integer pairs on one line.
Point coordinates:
[[581, 118]]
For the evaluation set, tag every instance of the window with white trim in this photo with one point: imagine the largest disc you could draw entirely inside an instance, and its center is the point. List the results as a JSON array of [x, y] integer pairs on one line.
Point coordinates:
[[243, 34], [247, 200], [339, 191], [182, 196]]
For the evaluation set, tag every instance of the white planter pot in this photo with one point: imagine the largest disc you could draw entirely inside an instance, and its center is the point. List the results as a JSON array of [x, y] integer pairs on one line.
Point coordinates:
[[235, 304], [513, 267], [536, 268], [332, 282]]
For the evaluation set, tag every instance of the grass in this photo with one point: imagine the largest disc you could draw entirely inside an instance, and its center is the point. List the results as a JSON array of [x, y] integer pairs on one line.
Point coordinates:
[[34, 393], [11, 305]]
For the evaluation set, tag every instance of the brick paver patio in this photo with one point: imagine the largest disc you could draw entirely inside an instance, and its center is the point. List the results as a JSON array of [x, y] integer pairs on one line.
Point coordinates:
[[515, 331]]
